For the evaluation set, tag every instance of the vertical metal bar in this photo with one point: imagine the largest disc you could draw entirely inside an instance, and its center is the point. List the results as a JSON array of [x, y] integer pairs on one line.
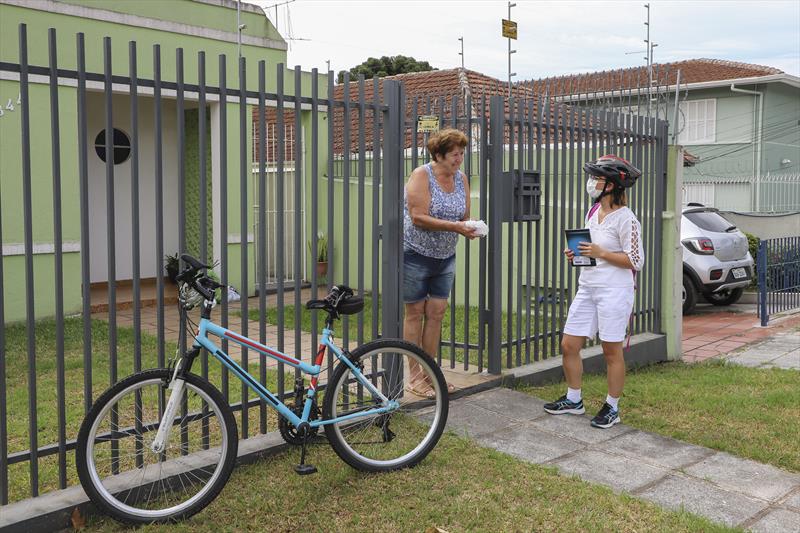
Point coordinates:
[[135, 236], [555, 286], [518, 124], [298, 218], [547, 194], [83, 180], [562, 273], [280, 209], [345, 213], [540, 230], [314, 194], [495, 244], [244, 172], [33, 427], [392, 180], [223, 202], [508, 197], [454, 124], [58, 257], [110, 222], [467, 254], [376, 167], [572, 211], [362, 170], [331, 192], [181, 124], [762, 282], [3, 393], [262, 232], [482, 245], [159, 185], [529, 257]]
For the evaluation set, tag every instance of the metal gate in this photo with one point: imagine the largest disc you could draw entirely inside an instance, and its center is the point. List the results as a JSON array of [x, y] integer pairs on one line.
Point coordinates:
[[511, 290]]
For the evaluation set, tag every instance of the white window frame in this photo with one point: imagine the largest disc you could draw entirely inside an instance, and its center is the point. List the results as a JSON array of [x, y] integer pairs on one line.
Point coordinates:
[[699, 121]]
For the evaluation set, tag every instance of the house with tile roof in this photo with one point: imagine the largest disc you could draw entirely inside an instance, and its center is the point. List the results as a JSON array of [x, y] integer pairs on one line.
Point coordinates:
[[739, 122]]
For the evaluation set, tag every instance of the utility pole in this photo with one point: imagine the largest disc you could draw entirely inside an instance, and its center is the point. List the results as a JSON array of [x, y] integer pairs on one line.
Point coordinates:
[[649, 58], [461, 53], [510, 51], [327, 65]]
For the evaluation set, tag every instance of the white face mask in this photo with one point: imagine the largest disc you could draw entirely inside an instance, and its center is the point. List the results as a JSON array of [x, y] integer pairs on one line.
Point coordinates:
[[591, 189]]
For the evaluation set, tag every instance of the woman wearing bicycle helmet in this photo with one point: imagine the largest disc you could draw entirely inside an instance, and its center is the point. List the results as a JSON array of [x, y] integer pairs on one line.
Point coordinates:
[[604, 300]]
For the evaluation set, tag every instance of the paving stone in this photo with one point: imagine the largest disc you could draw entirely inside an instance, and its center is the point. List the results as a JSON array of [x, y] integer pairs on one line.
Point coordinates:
[[778, 521], [655, 449], [615, 471], [529, 443], [471, 420], [748, 477], [789, 360], [703, 498], [793, 500], [509, 403], [579, 428]]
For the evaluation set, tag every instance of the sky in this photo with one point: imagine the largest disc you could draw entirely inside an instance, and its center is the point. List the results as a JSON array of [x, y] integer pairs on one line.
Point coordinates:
[[554, 37]]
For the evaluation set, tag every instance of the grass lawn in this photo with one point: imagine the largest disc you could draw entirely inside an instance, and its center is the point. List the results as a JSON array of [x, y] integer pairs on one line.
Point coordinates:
[[46, 386], [459, 487], [747, 412]]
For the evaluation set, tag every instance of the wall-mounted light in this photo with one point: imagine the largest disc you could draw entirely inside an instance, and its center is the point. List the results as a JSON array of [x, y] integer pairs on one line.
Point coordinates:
[[786, 162]]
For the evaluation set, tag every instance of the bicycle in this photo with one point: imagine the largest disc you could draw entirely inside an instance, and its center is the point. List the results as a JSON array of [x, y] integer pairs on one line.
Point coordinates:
[[141, 461]]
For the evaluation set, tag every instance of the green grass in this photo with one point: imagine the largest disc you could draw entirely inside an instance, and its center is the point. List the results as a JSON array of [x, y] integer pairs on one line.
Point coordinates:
[[459, 487], [46, 386], [370, 314], [747, 412]]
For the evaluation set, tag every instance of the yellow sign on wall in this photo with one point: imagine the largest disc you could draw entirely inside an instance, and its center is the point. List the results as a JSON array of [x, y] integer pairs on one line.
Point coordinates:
[[509, 29], [427, 123]]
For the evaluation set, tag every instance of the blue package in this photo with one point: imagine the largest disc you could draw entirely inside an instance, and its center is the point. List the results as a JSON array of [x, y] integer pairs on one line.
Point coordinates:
[[574, 237]]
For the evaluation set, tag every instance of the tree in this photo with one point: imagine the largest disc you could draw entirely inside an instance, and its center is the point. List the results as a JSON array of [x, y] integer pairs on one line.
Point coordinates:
[[386, 66]]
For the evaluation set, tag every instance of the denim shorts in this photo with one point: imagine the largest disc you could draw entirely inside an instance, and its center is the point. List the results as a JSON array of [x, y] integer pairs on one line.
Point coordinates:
[[426, 277]]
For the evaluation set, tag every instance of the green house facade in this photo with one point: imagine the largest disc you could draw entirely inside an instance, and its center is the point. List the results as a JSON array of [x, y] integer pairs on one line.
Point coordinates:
[[195, 26]]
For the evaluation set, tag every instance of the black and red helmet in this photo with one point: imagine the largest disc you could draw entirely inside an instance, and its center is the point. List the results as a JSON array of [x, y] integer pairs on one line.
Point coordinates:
[[613, 169]]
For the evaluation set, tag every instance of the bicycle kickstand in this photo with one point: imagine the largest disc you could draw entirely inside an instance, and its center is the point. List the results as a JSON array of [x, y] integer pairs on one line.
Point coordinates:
[[303, 469]]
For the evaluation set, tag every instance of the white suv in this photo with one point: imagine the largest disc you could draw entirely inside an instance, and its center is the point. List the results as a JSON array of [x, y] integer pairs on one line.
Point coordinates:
[[716, 259]]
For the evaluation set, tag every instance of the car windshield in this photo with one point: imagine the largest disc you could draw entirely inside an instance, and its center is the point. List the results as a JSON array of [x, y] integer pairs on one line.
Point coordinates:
[[709, 221]]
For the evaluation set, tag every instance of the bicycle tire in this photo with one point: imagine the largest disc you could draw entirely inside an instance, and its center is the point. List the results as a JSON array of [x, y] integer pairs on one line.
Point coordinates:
[[339, 382], [86, 462]]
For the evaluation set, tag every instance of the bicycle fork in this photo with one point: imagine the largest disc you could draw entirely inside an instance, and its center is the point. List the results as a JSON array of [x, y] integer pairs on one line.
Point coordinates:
[[165, 428]]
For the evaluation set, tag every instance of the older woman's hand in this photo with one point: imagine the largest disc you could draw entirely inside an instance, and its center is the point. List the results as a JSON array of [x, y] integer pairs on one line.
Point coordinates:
[[466, 231]]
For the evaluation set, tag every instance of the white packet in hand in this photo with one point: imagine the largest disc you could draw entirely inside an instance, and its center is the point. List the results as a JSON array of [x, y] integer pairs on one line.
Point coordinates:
[[480, 227]]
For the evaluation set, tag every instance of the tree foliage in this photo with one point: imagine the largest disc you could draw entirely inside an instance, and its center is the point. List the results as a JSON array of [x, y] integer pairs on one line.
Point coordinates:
[[386, 66]]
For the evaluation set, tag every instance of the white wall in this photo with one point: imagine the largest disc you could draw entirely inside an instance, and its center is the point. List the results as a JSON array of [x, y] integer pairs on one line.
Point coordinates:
[[122, 188]]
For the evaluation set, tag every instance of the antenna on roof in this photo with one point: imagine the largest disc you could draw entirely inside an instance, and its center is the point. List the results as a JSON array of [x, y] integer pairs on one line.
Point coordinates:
[[461, 53]]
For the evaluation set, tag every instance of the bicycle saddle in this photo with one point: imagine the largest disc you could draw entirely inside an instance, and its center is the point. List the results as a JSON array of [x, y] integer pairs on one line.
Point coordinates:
[[341, 300]]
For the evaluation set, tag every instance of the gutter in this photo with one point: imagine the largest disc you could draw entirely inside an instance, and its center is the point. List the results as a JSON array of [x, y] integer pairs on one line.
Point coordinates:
[[760, 128]]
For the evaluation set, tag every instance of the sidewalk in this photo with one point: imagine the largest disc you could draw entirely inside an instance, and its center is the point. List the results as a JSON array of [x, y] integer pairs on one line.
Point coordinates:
[[716, 332], [671, 473]]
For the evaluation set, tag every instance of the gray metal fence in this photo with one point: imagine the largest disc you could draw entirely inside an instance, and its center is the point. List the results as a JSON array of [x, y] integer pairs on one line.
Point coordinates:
[[348, 161], [778, 270]]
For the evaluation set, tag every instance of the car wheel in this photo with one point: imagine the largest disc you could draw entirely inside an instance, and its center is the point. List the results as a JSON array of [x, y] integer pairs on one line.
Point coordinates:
[[726, 297], [689, 295]]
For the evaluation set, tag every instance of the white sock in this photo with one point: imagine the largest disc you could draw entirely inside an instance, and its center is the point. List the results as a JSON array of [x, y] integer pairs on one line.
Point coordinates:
[[573, 395], [613, 402]]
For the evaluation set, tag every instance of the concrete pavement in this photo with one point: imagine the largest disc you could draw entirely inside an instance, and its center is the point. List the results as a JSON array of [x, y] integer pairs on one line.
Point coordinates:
[[671, 473]]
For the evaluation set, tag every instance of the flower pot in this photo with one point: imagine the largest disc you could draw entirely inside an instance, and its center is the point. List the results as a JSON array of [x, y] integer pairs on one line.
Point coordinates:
[[322, 268]]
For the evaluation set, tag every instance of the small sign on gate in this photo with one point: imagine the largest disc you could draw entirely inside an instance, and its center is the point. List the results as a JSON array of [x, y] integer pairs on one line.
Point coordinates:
[[509, 29], [427, 123]]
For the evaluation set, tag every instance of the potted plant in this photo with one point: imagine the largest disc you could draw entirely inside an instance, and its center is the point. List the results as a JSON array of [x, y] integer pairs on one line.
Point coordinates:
[[172, 265], [321, 255]]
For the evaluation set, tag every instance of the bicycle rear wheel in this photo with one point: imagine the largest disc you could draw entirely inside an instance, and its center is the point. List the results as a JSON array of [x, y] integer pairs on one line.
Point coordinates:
[[398, 439], [125, 478]]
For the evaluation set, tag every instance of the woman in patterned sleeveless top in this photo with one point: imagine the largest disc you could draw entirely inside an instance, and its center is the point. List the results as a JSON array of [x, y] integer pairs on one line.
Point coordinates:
[[436, 208]]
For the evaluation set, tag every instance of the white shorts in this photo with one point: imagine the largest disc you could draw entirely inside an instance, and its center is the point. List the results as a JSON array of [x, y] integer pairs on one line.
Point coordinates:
[[603, 309]]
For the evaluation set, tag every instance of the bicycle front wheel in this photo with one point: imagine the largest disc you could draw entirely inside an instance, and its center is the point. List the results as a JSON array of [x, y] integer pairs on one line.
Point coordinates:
[[125, 478], [401, 438]]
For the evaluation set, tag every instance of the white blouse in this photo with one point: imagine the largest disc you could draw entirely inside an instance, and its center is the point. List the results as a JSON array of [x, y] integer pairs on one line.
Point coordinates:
[[620, 231]]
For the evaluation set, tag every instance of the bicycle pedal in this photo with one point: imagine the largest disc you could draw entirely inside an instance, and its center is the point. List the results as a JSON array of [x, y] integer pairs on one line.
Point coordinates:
[[305, 470]]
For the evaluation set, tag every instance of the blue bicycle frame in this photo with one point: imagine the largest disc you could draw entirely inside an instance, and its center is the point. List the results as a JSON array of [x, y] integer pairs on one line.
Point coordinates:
[[202, 341]]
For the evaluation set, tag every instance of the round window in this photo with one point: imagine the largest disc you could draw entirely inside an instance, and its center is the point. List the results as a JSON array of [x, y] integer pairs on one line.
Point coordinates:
[[121, 146]]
